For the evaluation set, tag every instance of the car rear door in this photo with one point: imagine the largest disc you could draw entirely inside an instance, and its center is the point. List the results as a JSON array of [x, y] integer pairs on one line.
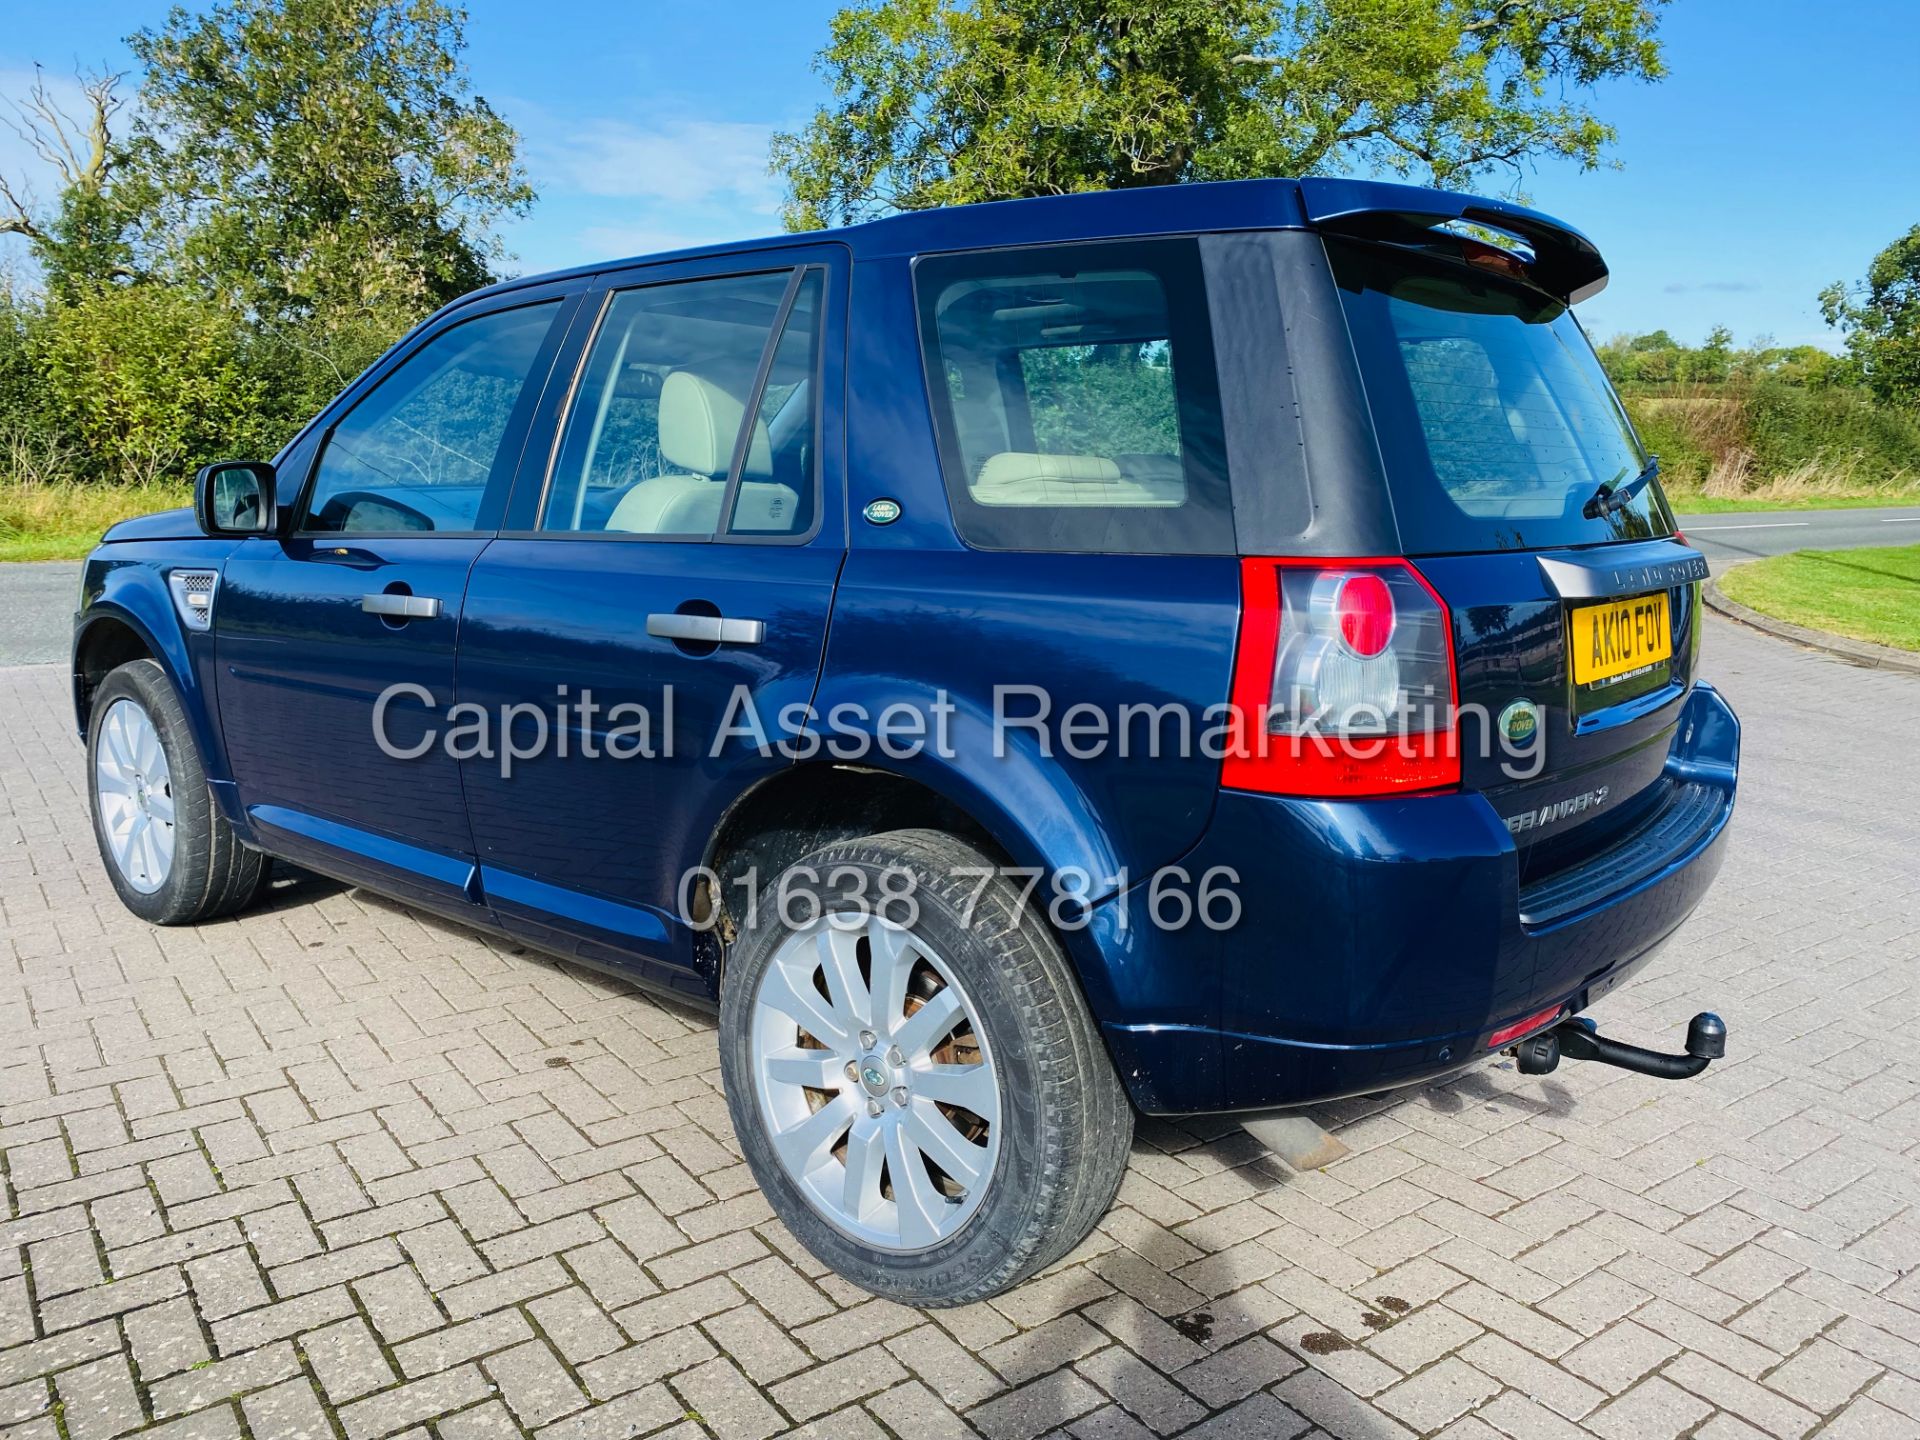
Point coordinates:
[[666, 572], [335, 640]]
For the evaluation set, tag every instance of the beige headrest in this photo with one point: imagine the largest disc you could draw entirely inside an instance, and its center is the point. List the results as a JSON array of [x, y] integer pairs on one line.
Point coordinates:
[[699, 421], [1013, 468], [1020, 477]]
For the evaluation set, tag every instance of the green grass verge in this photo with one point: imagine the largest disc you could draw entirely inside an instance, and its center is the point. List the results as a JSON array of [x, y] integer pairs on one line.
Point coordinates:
[[1871, 595], [64, 522], [1696, 504]]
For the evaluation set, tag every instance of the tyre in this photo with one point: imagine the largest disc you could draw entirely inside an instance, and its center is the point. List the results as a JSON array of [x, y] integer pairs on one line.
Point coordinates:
[[170, 853], [915, 1079]]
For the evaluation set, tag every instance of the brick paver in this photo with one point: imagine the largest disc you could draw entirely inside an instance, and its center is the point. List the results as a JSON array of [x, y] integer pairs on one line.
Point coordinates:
[[337, 1168]]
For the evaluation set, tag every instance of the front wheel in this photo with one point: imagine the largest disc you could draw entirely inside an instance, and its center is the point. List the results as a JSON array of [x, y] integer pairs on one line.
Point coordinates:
[[913, 1073], [169, 852]]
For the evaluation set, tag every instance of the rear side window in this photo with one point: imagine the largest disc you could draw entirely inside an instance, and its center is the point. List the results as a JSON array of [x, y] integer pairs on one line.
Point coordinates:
[[1076, 400], [1493, 414]]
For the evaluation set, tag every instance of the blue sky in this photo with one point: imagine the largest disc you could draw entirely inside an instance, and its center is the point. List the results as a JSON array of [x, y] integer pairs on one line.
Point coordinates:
[[1779, 155]]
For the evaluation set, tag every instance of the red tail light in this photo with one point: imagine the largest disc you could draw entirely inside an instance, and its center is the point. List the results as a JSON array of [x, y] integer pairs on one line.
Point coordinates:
[[1493, 258], [1344, 684], [1521, 1028], [1364, 606]]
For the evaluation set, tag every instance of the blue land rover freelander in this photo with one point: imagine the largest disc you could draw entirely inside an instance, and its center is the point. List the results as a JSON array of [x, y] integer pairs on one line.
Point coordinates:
[[1177, 651]]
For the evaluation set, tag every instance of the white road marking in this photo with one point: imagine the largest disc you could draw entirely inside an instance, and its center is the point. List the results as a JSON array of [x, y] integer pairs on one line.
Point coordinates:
[[1901, 520], [1768, 525]]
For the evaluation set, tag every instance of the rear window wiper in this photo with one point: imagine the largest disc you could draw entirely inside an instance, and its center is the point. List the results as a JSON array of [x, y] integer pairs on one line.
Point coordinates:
[[1614, 496]]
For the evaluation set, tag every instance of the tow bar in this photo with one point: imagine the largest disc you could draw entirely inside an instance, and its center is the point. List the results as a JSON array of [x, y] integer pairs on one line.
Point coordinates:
[[1579, 1039]]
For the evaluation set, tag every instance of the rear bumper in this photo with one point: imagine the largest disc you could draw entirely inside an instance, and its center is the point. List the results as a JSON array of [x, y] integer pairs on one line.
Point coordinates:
[[1381, 943]]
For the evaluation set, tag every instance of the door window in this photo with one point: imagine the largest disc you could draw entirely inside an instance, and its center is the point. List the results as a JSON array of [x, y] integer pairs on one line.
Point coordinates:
[[419, 452], [684, 403]]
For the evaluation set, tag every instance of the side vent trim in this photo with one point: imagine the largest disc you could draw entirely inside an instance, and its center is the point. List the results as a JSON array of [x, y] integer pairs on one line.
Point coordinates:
[[193, 592]]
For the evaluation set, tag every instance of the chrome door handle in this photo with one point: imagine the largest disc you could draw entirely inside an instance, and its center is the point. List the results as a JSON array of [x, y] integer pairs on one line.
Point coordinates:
[[707, 629], [401, 607]]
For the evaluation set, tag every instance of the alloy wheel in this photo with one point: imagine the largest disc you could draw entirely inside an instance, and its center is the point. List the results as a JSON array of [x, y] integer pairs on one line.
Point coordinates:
[[876, 1081], [135, 790]]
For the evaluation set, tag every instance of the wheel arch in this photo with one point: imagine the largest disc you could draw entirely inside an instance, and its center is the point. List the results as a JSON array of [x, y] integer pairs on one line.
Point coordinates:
[[106, 640], [811, 804], [134, 619], [798, 809]]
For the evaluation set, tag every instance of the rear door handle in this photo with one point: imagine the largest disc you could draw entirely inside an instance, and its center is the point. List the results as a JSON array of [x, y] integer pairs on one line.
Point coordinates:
[[707, 629], [401, 607]]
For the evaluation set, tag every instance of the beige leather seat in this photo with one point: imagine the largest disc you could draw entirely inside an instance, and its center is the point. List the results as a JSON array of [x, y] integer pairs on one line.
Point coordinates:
[[1019, 477], [699, 422]]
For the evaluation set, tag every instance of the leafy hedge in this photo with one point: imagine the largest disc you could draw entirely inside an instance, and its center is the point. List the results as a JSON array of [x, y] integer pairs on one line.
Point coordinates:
[[1772, 438]]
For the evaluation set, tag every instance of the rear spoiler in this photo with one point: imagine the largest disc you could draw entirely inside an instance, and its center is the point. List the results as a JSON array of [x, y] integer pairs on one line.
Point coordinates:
[[1566, 263]]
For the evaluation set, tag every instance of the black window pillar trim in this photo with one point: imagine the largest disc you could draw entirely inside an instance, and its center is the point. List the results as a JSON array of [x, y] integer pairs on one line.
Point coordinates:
[[743, 442]]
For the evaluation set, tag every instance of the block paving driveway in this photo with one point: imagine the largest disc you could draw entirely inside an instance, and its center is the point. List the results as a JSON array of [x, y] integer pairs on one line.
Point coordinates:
[[339, 1169]]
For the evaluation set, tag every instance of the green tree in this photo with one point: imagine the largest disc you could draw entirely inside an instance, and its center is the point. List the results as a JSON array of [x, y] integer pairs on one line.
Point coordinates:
[[1710, 363], [149, 381], [301, 181], [17, 377], [949, 101], [82, 238], [1881, 319], [322, 161]]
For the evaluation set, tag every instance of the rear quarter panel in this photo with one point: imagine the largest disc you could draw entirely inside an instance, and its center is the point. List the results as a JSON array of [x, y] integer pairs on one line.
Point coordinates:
[[1006, 638], [960, 629]]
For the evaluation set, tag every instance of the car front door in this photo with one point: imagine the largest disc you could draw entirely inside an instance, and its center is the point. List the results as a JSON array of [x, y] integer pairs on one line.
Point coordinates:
[[667, 567], [335, 639]]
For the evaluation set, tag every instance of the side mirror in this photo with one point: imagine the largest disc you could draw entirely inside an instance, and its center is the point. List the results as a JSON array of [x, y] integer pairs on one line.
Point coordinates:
[[235, 497]]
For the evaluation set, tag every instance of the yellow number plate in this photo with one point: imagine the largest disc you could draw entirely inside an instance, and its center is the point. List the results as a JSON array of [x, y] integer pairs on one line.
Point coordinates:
[[1619, 637]]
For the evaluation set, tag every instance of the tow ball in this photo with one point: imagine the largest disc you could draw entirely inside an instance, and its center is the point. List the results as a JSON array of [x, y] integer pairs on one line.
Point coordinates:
[[1578, 1039]]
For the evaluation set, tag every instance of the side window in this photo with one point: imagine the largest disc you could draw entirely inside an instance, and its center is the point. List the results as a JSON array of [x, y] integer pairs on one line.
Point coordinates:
[[672, 386], [419, 451], [1075, 395]]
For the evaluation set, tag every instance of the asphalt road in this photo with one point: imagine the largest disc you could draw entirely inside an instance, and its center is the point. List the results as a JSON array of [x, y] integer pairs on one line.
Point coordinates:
[[1730, 538], [36, 610], [37, 600]]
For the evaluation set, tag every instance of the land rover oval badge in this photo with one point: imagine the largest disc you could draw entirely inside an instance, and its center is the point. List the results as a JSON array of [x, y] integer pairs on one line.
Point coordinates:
[[882, 512], [1520, 722]]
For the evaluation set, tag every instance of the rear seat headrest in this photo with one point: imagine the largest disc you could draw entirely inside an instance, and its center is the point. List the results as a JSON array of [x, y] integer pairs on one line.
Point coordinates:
[[699, 422], [1022, 477]]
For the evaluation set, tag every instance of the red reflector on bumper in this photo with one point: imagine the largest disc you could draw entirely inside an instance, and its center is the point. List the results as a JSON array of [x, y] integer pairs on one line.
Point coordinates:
[[1507, 1034]]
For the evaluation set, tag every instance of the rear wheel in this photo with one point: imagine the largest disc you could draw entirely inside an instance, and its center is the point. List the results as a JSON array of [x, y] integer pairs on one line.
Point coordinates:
[[913, 1073], [170, 854]]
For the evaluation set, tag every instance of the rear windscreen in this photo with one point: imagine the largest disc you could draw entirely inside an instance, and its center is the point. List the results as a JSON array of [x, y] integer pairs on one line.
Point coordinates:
[[1494, 418]]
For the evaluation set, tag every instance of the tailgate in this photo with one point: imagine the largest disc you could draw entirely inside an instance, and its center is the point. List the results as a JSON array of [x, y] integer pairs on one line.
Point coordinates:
[[1572, 669]]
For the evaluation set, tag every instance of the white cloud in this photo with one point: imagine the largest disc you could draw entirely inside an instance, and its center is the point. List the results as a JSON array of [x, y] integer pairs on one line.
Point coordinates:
[[671, 160], [641, 183], [1712, 287]]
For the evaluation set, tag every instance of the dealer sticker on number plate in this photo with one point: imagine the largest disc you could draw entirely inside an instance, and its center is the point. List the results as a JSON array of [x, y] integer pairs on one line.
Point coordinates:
[[1619, 637]]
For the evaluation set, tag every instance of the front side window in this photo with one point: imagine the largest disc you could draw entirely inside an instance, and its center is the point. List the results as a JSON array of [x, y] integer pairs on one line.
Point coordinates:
[[1076, 400], [688, 399], [1494, 416], [420, 450]]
